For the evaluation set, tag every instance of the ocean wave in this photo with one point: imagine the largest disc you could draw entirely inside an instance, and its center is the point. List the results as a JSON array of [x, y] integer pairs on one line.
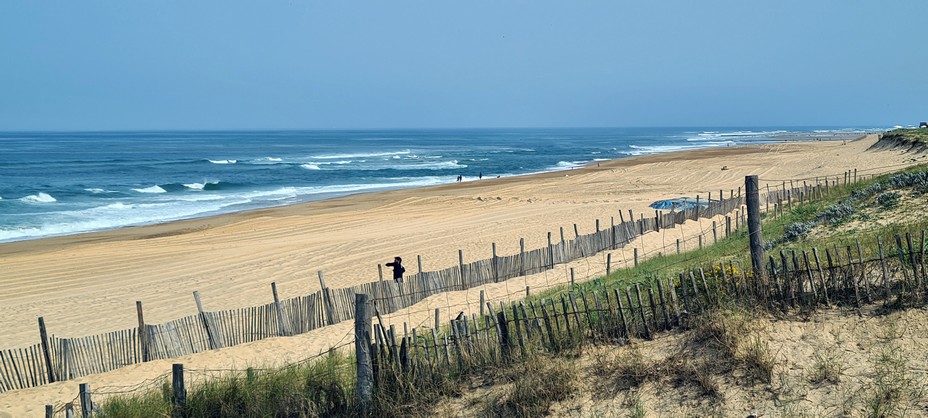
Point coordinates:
[[206, 185], [311, 166], [97, 190], [567, 165], [223, 161], [741, 134], [265, 160], [40, 197], [359, 155], [153, 189], [443, 165]]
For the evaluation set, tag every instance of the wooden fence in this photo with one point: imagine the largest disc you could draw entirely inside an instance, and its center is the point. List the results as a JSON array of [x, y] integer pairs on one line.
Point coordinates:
[[896, 275], [69, 358], [851, 276]]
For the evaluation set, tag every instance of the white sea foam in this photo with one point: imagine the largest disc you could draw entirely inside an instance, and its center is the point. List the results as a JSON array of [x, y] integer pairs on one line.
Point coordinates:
[[359, 155], [311, 166], [40, 197], [153, 189], [442, 165], [97, 190], [567, 165], [265, 160], [223, 161]]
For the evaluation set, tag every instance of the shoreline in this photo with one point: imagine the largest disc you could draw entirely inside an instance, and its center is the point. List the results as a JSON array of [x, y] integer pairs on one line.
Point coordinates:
[[86, 284], [183, 226]]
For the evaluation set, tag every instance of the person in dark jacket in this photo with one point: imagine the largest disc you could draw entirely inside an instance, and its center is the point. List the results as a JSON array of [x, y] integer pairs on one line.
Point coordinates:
[[398, 269]]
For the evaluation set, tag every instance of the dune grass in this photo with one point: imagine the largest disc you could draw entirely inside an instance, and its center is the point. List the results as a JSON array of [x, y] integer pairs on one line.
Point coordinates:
[[911, 135], [326, 387]]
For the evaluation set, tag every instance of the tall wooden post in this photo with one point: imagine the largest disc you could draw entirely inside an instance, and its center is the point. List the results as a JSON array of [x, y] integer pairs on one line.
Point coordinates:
[[461, 268], [521, 256], [143, 332], [210, 338], [326, 299], [86, 402], [362, 348], [179, 396], [419, 261], [754, 230], [43, 334], [495, 265], [283, 328], [608, 263], [550, 253]]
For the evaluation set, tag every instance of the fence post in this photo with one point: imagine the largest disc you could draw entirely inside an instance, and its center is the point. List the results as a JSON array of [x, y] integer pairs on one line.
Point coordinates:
[[495, 265], [210, 339], [550, 253], [49, 411], [362, 346], [437, 319], [572, 282], [179, 398], [143, 332], [635, 253], [461, 267], [754, 231], [326, 299], [419, 261], [283, 328], [608, 263], [521, 256], [86, 402], [612, 231], [504, 338], [43, 334]]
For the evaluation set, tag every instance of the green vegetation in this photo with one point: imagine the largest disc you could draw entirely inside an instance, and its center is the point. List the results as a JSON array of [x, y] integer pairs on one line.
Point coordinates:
[[913, 135], [718, 341]]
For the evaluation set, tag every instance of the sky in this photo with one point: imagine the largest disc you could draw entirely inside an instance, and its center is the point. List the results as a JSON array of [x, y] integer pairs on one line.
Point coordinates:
[[229, 64]]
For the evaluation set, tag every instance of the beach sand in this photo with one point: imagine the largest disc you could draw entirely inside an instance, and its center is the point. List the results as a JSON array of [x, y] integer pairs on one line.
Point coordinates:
[[87, 284]]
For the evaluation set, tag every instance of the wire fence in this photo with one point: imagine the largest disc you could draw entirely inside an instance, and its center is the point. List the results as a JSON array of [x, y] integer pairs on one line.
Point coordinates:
[[896, 275], [65, 358]]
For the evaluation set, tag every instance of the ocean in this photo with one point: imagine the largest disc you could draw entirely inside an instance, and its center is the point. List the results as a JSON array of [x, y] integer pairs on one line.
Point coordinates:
[[60, 183]]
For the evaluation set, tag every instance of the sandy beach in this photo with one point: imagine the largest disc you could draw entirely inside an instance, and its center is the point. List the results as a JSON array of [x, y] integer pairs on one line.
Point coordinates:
[[87, 284]]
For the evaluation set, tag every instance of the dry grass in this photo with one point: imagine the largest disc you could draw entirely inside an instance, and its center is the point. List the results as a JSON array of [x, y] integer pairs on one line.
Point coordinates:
[[534, 387], [827, 367]]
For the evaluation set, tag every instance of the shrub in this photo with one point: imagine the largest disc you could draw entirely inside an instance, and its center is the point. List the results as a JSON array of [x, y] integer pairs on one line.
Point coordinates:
[[888, 199], [797, 230], [917, 180], [867, 191], [837, 213]]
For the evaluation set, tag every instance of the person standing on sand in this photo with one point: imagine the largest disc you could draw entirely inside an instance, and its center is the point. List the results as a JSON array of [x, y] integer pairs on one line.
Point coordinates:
[[398, 269]]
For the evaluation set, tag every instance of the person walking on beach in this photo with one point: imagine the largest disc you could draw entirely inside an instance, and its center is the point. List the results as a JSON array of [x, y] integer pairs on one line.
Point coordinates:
[[398, 269]]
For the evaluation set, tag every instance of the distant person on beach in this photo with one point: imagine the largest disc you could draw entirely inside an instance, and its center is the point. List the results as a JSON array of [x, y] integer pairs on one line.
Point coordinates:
[[480, 176], [398, 269], [460, 178]]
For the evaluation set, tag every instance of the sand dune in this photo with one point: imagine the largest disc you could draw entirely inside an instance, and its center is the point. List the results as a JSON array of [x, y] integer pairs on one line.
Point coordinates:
[[89, 283]]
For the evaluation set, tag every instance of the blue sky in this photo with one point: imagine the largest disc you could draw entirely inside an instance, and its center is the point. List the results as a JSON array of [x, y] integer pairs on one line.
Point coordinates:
[[123, 65]]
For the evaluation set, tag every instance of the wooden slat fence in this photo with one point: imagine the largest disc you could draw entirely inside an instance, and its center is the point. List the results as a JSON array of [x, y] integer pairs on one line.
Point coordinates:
[[799, 280], [75, 357]]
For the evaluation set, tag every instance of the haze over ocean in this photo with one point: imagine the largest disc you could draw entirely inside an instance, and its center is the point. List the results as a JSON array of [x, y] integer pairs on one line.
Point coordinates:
[[65, 183]]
